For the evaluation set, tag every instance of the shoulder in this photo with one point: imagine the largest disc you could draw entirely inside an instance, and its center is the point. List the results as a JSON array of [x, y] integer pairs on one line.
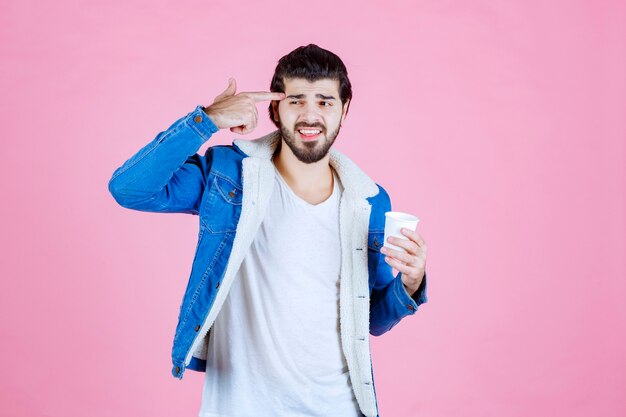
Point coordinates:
[[381, 200], [225, 151], [381, 203]]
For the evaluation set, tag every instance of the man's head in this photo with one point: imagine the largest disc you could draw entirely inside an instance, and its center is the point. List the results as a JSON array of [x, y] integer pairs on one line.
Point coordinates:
[[318, 94]]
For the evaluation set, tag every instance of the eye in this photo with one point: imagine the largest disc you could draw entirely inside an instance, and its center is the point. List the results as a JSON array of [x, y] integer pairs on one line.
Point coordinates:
[[294, 102]]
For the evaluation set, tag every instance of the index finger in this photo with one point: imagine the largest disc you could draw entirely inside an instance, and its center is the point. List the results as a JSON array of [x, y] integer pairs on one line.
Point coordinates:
[[264, 95], [413, 235]]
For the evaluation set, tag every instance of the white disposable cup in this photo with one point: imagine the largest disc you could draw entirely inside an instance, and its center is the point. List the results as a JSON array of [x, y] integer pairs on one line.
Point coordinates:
[[394, 222]]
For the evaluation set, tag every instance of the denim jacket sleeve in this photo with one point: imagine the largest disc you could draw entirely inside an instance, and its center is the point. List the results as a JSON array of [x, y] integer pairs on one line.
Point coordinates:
[[393, 303], [167, 175], [389, 300]]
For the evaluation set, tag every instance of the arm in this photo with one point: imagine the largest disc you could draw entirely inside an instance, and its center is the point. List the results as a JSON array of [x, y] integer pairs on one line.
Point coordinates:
[[167, 175], [390, 301]]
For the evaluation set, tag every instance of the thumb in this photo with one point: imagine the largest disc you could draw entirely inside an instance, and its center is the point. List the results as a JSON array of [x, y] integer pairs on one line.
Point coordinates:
[[230, 90]]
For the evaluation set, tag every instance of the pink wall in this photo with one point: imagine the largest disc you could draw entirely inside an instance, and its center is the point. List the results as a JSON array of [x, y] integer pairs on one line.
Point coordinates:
[[499, 123]]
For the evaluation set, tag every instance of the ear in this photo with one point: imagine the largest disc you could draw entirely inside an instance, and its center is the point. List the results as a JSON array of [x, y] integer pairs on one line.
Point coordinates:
[[275, 110], [344, 111]]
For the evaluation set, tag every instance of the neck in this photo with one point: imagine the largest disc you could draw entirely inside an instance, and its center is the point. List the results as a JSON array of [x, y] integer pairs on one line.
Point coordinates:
[[300, 176]]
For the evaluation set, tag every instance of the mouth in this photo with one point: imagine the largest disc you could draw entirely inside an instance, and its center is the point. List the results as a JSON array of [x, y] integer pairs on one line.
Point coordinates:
[[309, 134]]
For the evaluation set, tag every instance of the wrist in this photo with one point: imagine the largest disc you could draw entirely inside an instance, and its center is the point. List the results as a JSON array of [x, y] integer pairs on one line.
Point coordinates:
[[409, 291], [211, 116]]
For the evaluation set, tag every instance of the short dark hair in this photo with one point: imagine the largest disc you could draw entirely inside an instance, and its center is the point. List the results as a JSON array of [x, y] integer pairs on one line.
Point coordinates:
[[311, 63]]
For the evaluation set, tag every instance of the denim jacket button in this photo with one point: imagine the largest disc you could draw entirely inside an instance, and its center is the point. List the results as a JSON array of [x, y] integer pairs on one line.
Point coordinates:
[[197, 119], [177, 369], [197, 327]]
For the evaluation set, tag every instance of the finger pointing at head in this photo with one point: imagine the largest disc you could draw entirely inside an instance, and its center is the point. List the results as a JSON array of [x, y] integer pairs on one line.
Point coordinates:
[[265, 95]]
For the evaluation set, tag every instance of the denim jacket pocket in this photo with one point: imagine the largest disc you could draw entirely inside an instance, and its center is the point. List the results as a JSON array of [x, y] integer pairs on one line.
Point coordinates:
[[222, 205], [375, 240]]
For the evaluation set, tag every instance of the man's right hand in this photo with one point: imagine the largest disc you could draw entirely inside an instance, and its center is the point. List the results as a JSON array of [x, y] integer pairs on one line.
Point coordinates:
[[238, 111]]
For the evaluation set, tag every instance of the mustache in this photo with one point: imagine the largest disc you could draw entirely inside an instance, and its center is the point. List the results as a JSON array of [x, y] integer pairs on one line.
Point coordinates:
[[313, 126]]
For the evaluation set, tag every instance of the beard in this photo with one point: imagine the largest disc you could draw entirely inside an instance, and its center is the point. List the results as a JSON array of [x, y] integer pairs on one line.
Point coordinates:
[[309, 151]]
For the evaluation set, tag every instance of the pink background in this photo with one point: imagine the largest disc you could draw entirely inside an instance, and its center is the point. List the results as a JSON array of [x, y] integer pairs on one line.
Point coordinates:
[[499, 123]]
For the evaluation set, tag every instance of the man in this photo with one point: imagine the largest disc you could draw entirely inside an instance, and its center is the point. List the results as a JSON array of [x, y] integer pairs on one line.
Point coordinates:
[[289, 248]]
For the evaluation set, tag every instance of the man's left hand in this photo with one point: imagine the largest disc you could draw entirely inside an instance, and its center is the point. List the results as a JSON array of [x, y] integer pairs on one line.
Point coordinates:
[[411, 264]]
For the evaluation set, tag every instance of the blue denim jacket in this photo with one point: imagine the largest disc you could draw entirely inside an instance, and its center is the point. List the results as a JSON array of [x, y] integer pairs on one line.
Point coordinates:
[[228, 188]]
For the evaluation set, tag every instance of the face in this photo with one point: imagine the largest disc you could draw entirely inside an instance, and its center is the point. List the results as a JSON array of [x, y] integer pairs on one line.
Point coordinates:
[[310, 117]]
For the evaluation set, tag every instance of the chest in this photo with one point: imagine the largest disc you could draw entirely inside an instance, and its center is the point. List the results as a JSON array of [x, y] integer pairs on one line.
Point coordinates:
[[299, 232]]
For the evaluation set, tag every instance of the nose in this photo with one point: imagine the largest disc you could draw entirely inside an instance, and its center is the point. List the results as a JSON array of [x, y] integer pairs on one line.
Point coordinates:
[[310, 113]]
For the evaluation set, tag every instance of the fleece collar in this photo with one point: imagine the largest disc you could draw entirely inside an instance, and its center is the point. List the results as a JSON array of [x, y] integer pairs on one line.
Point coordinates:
[[355, 182]]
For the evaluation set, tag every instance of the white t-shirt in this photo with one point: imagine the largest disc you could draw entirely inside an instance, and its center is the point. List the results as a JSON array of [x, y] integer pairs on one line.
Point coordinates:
[[275, 348]]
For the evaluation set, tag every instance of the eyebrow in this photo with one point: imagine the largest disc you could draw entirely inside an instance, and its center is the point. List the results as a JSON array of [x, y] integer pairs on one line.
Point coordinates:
[[322, 96]]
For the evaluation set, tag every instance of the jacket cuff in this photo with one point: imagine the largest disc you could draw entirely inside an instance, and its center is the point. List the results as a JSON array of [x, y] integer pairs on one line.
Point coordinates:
[[199, 121], [418, 298]]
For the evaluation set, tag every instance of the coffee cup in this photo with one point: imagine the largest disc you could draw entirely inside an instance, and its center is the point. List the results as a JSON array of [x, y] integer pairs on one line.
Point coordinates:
[[394, 222]]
